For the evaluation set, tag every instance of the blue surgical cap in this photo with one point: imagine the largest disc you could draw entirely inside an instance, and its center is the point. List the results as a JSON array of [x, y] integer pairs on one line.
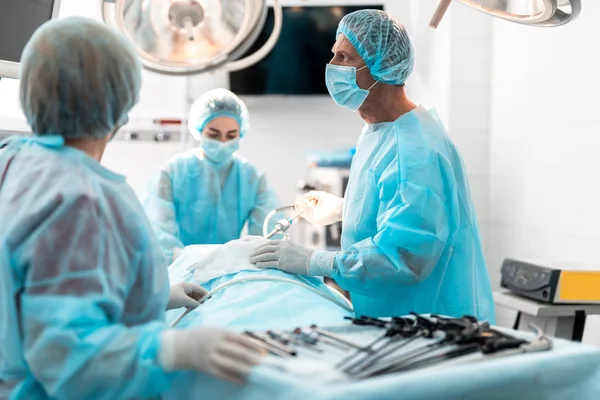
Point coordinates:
[[79, 79], [382, 43], [214, 104]]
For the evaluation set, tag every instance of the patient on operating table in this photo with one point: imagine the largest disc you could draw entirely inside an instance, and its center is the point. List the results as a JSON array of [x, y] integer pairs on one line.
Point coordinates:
[[242, 296]]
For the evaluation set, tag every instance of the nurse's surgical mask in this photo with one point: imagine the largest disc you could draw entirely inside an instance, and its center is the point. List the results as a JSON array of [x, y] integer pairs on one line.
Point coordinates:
[[342, 86], [217, 151]]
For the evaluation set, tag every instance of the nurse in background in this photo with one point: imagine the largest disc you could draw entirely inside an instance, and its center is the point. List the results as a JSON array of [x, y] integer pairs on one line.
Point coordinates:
[[206, 195]]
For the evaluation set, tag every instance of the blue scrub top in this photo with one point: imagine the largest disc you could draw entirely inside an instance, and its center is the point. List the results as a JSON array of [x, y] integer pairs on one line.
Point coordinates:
[[196, 201]]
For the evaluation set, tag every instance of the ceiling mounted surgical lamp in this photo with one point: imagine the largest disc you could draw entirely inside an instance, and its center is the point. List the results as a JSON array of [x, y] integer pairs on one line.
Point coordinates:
[[184, 37], [540, 13]]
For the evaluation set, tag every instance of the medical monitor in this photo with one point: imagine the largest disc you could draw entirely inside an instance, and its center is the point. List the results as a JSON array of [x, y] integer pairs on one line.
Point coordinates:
[[18, 20], [296, 66]]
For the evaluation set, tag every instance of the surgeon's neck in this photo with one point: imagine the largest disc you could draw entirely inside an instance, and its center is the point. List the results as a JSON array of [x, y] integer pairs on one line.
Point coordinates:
[[93, 147], [386, 103]]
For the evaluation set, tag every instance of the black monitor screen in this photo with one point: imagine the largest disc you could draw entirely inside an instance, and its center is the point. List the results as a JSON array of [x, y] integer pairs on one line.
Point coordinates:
[[18, 20], [296, 65]]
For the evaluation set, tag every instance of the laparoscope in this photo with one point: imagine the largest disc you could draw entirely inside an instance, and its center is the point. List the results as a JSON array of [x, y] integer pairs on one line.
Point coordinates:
[[282, 226]]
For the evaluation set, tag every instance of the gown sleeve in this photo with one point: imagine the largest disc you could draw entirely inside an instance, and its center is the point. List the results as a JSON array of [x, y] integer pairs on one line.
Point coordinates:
[[160, 209], [266, 201], [80, 272]]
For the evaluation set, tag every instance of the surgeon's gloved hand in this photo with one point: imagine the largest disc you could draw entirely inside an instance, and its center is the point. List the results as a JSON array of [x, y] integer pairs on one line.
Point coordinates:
[[294, 259], [320, 208], [176, 253], [215, 351], [185, 294]]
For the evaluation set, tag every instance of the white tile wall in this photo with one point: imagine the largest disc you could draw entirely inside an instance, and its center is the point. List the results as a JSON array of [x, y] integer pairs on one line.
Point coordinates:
[[545, 145], [469, 106]]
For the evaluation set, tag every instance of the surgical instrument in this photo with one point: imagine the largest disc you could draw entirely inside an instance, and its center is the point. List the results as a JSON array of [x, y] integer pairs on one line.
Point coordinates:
[[540, 343], [460, 351], [468, 342], [283, 225], [278, 337], [270, 215], [335, 337], [401, 336], [286, 339], [465, 336], [382, 352], [492, 343], [313, 338], [436, 340], [273, 343], [422, 328], [392, 328], [271, 349]]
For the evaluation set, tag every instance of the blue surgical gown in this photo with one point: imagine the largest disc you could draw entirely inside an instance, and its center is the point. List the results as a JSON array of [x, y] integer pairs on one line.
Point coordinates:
[[410, 239], [195, 201], [83, 286]]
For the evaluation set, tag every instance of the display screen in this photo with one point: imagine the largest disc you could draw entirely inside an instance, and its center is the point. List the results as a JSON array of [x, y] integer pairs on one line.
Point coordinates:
[[296, 65], [523, 275], [18, 20]]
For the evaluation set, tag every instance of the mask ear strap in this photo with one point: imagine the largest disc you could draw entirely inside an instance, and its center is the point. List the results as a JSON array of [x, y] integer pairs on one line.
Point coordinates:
[[360, 69]]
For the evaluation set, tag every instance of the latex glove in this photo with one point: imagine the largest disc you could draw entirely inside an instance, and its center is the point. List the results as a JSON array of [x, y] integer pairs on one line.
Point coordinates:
[[185, 294], [215, 351], [284, 255], [176, 253], [320, 208]]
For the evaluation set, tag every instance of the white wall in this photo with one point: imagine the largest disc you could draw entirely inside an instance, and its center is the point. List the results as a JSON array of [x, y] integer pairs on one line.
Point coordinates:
[[469, 103], [545, 143]]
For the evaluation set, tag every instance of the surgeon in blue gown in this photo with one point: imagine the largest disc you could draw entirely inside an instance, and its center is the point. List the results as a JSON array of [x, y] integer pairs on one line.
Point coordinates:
[[83, 284], [410, 238], [207, 195]]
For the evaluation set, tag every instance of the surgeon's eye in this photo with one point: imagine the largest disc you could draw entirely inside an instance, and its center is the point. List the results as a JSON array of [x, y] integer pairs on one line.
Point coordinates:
[[214, 136]]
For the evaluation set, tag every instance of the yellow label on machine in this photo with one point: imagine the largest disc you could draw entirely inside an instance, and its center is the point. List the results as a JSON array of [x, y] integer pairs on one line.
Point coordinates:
[[579, 286]]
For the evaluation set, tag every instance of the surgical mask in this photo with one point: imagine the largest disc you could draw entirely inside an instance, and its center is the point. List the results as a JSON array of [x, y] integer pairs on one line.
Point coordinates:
[[219, 152], [342, 86]]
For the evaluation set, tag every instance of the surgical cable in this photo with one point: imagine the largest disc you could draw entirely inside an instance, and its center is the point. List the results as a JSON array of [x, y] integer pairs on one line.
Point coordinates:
[[345, 305]]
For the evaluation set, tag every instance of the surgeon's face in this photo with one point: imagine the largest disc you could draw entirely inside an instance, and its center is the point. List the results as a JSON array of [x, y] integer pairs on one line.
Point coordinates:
[[222, 129], [346, 55]]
